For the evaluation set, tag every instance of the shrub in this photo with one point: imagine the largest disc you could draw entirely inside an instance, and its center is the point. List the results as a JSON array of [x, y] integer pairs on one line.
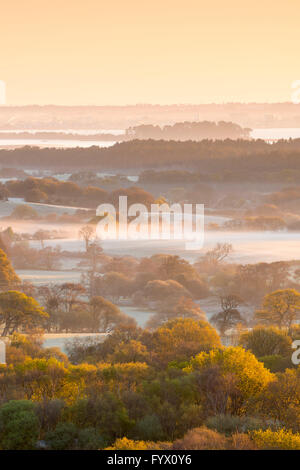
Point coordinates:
[[63, 437], [229, 424], [242, 442], [276, 363], [90, 439], [19, 425], [149, 428], [201, 439], [262, 341], [276, 440], [128, 444]]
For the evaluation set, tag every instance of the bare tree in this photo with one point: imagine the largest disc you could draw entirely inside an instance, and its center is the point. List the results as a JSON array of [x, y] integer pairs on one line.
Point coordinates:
[[86, 233], [218, 254], [230, 315], [41, 236]]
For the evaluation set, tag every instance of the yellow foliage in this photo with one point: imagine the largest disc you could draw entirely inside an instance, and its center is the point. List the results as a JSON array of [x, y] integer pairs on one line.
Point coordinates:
[[281, 439], [252, 376], [128, 444]]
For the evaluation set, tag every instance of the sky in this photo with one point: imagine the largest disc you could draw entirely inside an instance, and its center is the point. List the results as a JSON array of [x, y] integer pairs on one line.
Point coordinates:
[[96, 52]]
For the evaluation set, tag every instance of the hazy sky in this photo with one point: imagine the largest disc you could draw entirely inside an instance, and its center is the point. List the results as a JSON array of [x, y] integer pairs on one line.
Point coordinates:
[[154, 51]]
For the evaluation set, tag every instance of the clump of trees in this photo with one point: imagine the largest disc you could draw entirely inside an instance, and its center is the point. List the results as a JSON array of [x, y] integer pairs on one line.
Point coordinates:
[[53, 191], [174, 387]]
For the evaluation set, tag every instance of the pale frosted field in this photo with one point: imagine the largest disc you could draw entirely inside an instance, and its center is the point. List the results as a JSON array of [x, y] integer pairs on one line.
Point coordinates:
[[141, 316], [249, 247], [59, 340], [59, 143], [40, 278]]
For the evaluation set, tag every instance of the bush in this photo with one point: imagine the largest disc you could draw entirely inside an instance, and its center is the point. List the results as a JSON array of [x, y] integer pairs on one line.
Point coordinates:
[[19, 425], [242, 442], [149, 428], [128, 444], [228, 424], [276, 363], [24, 212], [90, 439], [262, 341], [63, 437], [276, 440], [201, 439]]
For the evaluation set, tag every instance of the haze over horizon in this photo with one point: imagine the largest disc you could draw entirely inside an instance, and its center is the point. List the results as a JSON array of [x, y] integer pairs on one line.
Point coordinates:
[[117, 53]]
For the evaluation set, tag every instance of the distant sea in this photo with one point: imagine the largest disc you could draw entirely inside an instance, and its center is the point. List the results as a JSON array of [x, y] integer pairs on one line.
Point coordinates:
[[58, 143], [276, 133], [270, 135]]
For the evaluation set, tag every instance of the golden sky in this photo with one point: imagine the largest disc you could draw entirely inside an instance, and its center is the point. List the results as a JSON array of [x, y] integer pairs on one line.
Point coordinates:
[[148, 51]]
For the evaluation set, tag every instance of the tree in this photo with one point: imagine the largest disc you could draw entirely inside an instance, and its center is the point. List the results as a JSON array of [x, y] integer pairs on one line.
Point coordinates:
[[36, 195], [148, 428], [63, 437], [229, 316], [49, 258], [253, 281], [41, 236], [24, 211], [217, 254], [86, 233], [90, 439], [115, 285], [8, 277], [124, 265], [132, 351], [281, 308], [163, 290], [183, 308], [218, 390], [19, 426], [250, 375], [106, 316], [105, 412], [172, 266], [182, 338], [262, 341], [70, 296], [281, 400], [17, 310]]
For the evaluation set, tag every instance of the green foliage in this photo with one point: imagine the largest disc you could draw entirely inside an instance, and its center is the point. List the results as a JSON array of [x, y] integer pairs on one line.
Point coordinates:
[[63, 437], [230, 424], [19, 426], [90, 439], [148, 428], [262, 341], [276, 363]]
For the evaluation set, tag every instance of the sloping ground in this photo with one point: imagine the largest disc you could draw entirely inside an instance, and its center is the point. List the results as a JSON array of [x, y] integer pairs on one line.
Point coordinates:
[[7, 207]]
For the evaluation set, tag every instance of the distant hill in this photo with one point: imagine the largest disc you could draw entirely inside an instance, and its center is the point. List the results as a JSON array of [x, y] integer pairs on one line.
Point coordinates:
[[195, 131]]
